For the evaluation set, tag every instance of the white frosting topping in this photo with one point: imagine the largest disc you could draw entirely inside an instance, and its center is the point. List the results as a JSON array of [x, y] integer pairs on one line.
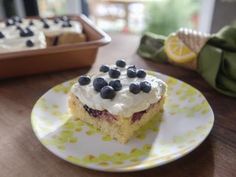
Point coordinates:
[[124, 103], [19, 44], [12, 40], [56, 28]]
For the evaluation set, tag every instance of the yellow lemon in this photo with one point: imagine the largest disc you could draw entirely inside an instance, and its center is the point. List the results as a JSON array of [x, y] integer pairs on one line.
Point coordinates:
[[177, 51]]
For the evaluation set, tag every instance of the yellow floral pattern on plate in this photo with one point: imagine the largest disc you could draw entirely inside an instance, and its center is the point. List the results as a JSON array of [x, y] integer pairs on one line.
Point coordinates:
[[186, 121]]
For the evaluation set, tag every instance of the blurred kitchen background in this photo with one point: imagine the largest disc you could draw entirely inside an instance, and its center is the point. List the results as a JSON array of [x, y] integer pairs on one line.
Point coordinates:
[[133, 16]]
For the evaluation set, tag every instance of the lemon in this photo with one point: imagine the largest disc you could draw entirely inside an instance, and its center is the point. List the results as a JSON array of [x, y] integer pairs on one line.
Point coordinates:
[[177, 51]]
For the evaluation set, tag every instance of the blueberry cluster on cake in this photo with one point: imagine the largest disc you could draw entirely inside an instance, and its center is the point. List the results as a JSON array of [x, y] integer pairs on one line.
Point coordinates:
[[118, 100], [18, 34]]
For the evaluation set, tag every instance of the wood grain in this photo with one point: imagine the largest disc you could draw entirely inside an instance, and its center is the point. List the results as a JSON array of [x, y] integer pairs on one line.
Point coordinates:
[[22, 155]]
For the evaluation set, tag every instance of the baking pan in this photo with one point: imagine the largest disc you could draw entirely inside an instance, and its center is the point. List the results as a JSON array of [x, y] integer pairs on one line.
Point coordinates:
[[58, 57]]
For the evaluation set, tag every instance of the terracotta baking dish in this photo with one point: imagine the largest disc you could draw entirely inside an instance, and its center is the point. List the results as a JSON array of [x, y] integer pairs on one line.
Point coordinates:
[[55, 58]]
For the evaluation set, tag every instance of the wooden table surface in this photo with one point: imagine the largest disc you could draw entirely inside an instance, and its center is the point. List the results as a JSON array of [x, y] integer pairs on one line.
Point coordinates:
[[22, 155]]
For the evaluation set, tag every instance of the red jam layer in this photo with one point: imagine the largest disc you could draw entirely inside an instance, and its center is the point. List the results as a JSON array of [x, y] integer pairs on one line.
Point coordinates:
[[105, 114], [99, 114], [137, 116]]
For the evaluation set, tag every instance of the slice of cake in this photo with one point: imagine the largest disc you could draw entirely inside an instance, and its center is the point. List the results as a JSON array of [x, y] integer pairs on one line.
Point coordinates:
[[118, 100], [19, 39], [18, 34], [60, 30]]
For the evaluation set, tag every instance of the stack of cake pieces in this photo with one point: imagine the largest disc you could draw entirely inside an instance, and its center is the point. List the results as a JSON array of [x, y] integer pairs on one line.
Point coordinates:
[[118, 100], [18, 34]]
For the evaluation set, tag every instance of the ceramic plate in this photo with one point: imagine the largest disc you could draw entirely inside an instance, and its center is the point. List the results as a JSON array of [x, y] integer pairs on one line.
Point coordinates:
[[186, 121]]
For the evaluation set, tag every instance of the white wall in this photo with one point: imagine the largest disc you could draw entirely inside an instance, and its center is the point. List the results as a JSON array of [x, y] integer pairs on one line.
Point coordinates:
[[73, 7], [206, 15]]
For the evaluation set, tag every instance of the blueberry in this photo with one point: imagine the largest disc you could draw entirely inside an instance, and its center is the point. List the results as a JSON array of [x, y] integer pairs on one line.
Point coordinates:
[[18, 27], [43, 20], [65, 18], [131, 66], [29, 43], [1, 35], [104, 68], [116, 85], [84, 80], [99, 83], [131, 72], [23, 33], [114, 73], [31, 23], [46, 25], [29, 31], [134, 88], [26, 32], [145, 86], [10, 22], [107, 92], [121, 63], [69, 24], [56, 20], [17, 19], [141, 73], [66, 25]]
